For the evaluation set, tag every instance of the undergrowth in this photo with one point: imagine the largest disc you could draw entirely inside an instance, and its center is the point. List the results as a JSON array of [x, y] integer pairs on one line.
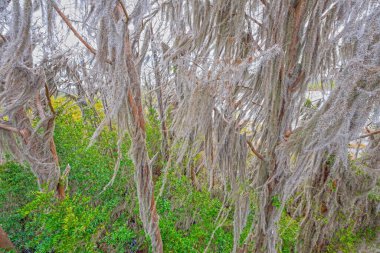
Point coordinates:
[[94, 219]]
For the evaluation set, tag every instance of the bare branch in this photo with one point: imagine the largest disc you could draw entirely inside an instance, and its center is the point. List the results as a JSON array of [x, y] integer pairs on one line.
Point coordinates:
[[369, 134], [124, 10], [252, 148], [70, 25], [9, 128]]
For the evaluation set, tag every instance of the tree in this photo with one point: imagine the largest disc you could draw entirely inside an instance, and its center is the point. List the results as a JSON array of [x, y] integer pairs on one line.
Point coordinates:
[[25, 89], [233, 76]]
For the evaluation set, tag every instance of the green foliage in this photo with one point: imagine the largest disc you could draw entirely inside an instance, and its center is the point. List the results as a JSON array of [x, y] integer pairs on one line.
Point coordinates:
[[288, 227], [187, 219], [82, 219], [346, 240], [374, 195], [120, 236], [85, 221], [276, 201], [153, 133], [319, 86], [288, 230], [16, 182], [62, 226], [308, 103], [91, 167], [245, 233]]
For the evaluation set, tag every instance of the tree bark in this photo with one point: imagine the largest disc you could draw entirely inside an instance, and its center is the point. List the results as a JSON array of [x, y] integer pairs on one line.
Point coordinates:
[[143, 170], [5, 242], [158, 89], [279, 124]]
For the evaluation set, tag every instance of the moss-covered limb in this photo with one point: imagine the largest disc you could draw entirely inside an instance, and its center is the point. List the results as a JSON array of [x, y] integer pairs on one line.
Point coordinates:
[[330, 203], [327, 134]]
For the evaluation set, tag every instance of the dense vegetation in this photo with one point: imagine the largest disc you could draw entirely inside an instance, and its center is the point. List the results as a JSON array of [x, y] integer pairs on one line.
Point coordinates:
[[91, 219], [190, 126]]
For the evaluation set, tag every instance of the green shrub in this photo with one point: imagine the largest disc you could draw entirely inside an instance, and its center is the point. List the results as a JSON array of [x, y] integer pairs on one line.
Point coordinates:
[[85, 221], [62, 226], [347, 239], [16, 184], [288, 230], [187, 219]]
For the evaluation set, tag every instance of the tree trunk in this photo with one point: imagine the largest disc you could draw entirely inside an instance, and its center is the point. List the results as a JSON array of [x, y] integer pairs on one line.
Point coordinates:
[[143, 170], [279, 123], [5, 243], [158, 89]]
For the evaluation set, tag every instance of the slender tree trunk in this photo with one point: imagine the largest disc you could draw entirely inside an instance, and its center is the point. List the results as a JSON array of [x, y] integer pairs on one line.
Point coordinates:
[[47, 173], [158, 89], [209, 153], [143, 173], [23, 83], [279, 123]]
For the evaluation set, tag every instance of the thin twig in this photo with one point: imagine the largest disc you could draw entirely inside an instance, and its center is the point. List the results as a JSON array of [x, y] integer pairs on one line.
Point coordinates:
[[124, 10], [3, 38], [70, 25], [39, 106], [49, 100], [369, 134], [260, 156], [264, 2], [255, 21]]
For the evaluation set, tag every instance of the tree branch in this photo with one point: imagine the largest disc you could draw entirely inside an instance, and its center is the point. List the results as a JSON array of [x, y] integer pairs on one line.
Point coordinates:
[[50, 104], [264, 2], [70, 25], [260, 156], [9, 128], [3, 38], [124, 10], [369, 134]]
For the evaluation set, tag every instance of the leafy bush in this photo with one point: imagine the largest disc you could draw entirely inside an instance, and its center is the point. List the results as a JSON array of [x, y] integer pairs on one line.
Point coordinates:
[[187, 219], [91, 219], [75, 224], [17, 182], [91, 167], [289, 229], [62, 226], [346, 240]]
